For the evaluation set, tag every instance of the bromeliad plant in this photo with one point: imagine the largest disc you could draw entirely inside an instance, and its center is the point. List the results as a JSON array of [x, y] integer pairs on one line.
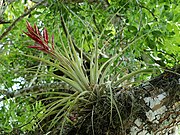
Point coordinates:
[[87, 89], [69, 62]]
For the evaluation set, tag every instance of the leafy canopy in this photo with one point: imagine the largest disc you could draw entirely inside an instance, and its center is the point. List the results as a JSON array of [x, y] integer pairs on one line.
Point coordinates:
[[97, 47]]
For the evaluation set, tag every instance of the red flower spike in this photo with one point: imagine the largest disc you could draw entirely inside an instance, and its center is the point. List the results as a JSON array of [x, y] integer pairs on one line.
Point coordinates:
[[41, 41], [36, 47], [29, 26], [39, 48], [35, 38], [45, 35], [52, 42], [37, 30]]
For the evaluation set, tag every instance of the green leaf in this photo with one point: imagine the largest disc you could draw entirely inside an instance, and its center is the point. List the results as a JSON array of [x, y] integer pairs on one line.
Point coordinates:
[[128, 76], [157, 33]]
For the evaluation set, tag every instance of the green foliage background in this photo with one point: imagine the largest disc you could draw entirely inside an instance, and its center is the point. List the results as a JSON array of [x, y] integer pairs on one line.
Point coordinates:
[[151, 26]]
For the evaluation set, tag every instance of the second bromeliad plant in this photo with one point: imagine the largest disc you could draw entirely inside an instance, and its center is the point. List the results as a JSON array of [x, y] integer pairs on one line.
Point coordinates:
[[92, 98]]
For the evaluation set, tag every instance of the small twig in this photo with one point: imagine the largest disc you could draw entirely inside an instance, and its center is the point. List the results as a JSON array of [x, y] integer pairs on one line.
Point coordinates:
[[149, 11], [33, 118], [19, 19]]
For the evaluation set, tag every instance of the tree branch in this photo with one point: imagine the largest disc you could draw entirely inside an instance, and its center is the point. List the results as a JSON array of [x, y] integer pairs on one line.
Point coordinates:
[[43, 87], [19, 19]]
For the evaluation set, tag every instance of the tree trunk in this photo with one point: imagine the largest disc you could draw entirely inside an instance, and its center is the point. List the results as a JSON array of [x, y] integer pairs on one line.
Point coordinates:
[[151, 108]]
